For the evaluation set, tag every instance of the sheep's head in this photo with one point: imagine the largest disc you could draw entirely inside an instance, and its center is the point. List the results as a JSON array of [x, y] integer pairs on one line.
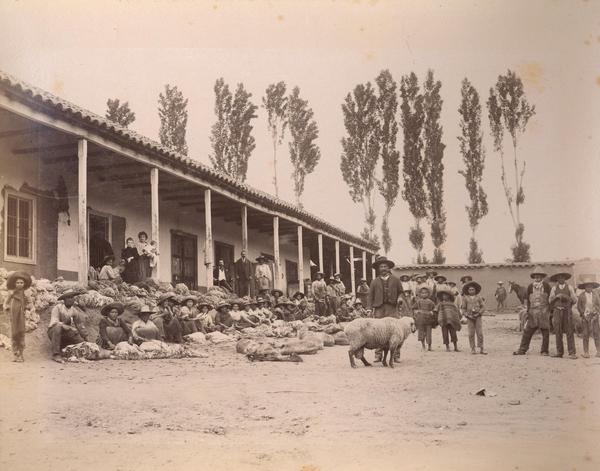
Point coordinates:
[[413, 326]]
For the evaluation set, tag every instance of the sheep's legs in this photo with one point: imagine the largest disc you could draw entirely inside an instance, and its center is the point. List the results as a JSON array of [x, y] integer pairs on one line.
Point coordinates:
[[364, 360], [383, 360], [351, 356]]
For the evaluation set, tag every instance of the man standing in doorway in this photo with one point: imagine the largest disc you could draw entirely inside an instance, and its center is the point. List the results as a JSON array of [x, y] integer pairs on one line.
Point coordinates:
[[243, 275], [221, 276]]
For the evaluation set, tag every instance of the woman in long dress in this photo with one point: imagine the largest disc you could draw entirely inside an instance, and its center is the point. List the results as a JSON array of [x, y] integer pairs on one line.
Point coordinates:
[[130, 255], [144, 251], [264, 278]]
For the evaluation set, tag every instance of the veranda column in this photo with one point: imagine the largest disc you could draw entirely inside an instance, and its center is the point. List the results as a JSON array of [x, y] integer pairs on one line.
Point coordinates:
[[82, 233], [300, 261], [208, 242], [245, 228], [277, 274], [352, 277], [154, 214], [337, 256], [364, 264], [373, 273], [320, 242]]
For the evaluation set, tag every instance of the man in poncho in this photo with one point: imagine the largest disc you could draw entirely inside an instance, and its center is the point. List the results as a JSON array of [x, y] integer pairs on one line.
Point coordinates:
[[17, 282], [66, 324]]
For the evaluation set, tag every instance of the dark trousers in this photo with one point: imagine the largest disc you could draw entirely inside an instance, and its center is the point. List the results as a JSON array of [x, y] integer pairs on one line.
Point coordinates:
[[528, 334], [591, 328], [173, 331], [563, 324], [321, 307], [61, 336], [242, 288], [224, 284], [449, 331]]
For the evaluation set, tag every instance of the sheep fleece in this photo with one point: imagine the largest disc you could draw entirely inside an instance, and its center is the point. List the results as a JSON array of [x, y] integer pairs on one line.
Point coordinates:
[[378, 333]]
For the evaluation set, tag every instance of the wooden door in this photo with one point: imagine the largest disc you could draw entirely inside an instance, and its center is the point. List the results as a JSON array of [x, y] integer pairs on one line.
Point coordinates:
[[184, 259]]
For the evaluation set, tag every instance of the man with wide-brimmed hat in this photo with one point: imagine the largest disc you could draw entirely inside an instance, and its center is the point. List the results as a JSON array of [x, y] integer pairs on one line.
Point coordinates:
[[500, 294], [112, 329], [319, 291], [538, 312], [588, 306], [66, 324], [144, 329], [472, 308], [562, 298], [340, 287], [333, 299], [17, 282], [448, 318], [285, 309]]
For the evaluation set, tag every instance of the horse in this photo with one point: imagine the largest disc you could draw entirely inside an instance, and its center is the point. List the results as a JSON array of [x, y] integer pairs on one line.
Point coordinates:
[[521, 293]]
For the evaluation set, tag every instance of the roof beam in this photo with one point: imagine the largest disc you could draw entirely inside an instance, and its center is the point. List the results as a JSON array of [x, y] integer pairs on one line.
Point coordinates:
[[23, 132], [35, 150]]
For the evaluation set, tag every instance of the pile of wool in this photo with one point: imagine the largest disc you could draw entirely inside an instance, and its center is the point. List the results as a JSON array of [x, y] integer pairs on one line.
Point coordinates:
[[93, 299], [5, 342], [181, 289], [85, 351]]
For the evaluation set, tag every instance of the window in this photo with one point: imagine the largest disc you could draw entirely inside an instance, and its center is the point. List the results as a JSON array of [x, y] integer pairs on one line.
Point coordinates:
[[19, 217]]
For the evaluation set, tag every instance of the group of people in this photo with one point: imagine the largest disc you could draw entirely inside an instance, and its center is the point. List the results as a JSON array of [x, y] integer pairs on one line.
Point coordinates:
[[138, 262], [244, 275]]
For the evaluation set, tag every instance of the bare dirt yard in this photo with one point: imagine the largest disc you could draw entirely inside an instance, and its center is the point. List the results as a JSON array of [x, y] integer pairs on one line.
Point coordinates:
[[224, 412]]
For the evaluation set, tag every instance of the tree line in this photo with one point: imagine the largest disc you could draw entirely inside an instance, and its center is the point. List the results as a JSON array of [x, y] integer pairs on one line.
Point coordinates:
[[370, 160]]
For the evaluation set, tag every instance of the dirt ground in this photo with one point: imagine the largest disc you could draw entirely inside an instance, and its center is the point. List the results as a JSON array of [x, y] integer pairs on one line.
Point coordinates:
[[226, 413]]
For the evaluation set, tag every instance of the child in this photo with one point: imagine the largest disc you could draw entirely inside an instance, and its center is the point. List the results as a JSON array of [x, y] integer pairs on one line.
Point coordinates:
[[472, 308], [153, 255], [204, 321], [112, 329], [448, 318], [405, 303], [425, 319], [187, 315], [108, 272], [359, 310], [588, 305], [17, 282]]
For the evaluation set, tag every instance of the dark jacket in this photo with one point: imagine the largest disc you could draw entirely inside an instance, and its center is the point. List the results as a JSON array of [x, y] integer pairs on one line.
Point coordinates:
[[547, 289], [216, 274], [375, 298], [243, 269]]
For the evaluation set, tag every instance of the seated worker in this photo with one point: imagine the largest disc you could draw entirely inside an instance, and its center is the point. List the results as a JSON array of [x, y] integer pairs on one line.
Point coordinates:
[[346, 311], [66, 324], [286, 309], [223, 320], [359, 309], [108, 272], [241, 319], [166, 319], [301, 304], [144, 330], [204, 321], [264, 314], [187, 314], [112, 329]]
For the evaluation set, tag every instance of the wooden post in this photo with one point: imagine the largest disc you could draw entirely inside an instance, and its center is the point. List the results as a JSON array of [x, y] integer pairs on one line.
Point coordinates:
[[300, 261], [364, 264], [82, 234], [320, 242], [245, 228], [155, 234], [277, 274], [373, 273], [352, 276], [337, 256], [208, 242]]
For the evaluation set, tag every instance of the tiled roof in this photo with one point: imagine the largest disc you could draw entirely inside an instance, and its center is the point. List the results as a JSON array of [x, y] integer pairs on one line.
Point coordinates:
[[45, 101], [476, 266]]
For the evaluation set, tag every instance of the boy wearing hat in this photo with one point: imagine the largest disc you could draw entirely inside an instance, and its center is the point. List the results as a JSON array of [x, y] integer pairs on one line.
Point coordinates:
[[562, 298], [187, 315], [286, 309], [500, 296], [588, 305], [472, 308], [66, 324], [425, 319], [359, 309], [362, 291], [448, 318], [223, 320], [319, 290], [405, 282], [144, 330], [538, 312], [14, 305], [112, 329], [107, 272], [339, 285]]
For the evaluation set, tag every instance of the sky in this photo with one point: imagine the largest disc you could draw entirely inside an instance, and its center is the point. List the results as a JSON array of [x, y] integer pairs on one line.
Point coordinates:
[[88, 51]]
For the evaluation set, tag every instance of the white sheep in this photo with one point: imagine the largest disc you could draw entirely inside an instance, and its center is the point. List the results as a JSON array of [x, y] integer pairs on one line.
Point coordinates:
[[387, 334]]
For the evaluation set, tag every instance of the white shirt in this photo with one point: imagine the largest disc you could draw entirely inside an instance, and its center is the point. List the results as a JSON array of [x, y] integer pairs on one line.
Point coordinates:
[[589, 305], [222, 274]]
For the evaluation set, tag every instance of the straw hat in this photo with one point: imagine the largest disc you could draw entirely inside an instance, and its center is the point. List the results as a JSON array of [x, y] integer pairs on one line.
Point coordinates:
[[223, 304], [404, 277], [431, 272], [299, 293], [440, 278], [466, 278], [146, 310], [538, 270], [71, 293], [444, 291], [381, 261], [588, 280], [201, 304], [284, 301], [184, 299], [109, 307], [107, 258], [276, 291], [472, 284], [18, 275], [165, 297], [563, 275]]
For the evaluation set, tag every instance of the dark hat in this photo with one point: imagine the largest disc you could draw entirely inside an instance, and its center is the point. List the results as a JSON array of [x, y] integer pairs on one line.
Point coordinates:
[[107, 258], [405, 276], [439, 293], [223, 304], [383, 260], [588, 280], [299, 293], [440, 278], [201, 304], [421, 288], [165, 297], [450, 283], [260, 257], [538, 270], [563, 275], [109, 307], [358, 301], [18, 275], [260, 300], [146, 310], [472, 284], [276, 291], [466, 278], [71, 293], [184, 299]]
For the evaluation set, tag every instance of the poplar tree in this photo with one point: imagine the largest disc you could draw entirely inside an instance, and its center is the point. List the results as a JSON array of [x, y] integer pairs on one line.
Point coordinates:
[[119, 113], [304, 153], [510, 111], [473, 153], [275, 102], [172, 111]]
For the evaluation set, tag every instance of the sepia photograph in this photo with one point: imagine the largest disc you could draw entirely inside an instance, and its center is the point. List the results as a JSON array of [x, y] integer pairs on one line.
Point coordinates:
[[303, 235]]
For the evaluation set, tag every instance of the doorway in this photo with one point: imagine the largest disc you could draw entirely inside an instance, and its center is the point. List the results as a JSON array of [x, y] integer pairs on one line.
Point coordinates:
[[99, 230], [184, 259]]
